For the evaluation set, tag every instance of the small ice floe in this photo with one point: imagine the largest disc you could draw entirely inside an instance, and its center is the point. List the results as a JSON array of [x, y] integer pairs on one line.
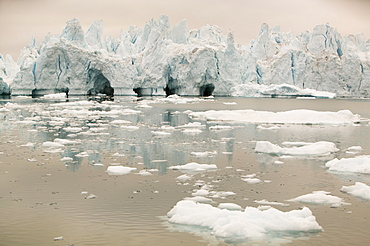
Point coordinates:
[[130, 128], [321, 148], [203, 154], [299, 116], [359, 189], [53, 150], [91, 196], [84, 192], [66, 158], [119, 122], [184, 177], [55, 96], [120, 170], [229, 206], [264, 127], [229, 103], [220, 128], [32, 159], [144, 173], [200, 199], [192, 125], [28, 145], [320, 198], [58, 238], [221, 194], [359, 164], [72, 129], [82, 154], [194, 167], [252, 223], [66, 141], [160, 133], [200, 193], [265, 202], [252, 180], [191, 131], [118, 154], [354, 150], [52, 145], [278, 162]]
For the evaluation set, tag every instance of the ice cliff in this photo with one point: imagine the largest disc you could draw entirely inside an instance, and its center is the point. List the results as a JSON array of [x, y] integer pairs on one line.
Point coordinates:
[[160, 60]]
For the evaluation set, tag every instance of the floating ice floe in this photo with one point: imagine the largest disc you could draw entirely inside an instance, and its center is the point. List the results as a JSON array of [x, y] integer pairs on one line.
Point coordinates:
[[118, 122], [299, 116], [55, 96], [193, 166], [144, 173], [359, 164], [266, 202], [120, 170], [220, 128], [320, 198], [160, 133], [200, 193], [203, 154], [321, 148], [200, 199], [66, 159], [359, 189], [52, 145], [192, 125], [184, 177], [252, 223], [229, 206], [354, 150]]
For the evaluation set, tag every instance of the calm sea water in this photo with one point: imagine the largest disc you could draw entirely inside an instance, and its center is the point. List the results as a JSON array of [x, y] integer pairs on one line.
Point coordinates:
[[43, 197]]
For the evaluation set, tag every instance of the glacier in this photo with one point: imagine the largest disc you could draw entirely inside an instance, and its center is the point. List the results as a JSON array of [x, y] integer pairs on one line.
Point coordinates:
[[162, 60]]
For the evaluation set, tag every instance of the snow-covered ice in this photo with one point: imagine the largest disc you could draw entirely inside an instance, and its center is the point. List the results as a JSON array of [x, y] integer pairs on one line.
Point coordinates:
[[358, 189], [252, 223], [321, 148]]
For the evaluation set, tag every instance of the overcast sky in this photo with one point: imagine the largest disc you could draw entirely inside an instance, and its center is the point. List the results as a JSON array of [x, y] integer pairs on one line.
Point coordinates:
[[22, 19]]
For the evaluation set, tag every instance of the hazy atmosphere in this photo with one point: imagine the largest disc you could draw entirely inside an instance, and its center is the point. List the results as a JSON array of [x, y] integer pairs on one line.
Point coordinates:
[[22, 19]]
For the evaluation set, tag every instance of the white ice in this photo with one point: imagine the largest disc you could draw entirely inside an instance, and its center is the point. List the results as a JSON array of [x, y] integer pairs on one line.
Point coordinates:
[[358, 189], [321, 148], [320, 198], [299, 116], [193, 166], [359, 164], [120, 170], [252, 223]]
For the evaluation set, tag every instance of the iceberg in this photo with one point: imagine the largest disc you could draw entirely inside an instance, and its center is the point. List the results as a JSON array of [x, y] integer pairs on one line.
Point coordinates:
[[158, 59]]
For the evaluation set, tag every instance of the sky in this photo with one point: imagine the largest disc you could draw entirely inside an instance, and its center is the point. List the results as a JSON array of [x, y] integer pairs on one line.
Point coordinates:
[[20, 20]]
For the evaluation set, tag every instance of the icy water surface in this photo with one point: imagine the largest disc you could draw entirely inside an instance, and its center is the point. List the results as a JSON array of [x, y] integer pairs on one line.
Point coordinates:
[[55, 188]]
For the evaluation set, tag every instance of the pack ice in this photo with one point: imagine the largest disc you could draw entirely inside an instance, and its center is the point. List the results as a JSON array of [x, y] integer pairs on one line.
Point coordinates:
[[162, 60]]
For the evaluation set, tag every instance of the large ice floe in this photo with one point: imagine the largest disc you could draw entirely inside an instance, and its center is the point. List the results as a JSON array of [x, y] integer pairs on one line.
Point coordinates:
[[299, 116], [358, 164], [321, 148], [162, 60], [251, 223]]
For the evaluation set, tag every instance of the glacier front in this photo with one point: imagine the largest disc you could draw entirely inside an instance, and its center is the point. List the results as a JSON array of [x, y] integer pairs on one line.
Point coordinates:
[[162, 60]]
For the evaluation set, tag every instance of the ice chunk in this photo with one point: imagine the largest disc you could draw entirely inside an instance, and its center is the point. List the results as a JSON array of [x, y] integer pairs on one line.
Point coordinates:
[[184, 177], [266, 202], [319, 197], [229, 206], [359, 164], [309, 149], [193, 166], [299, 116], [252, 223], [120, 170], [359, 189], [51, 145]]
